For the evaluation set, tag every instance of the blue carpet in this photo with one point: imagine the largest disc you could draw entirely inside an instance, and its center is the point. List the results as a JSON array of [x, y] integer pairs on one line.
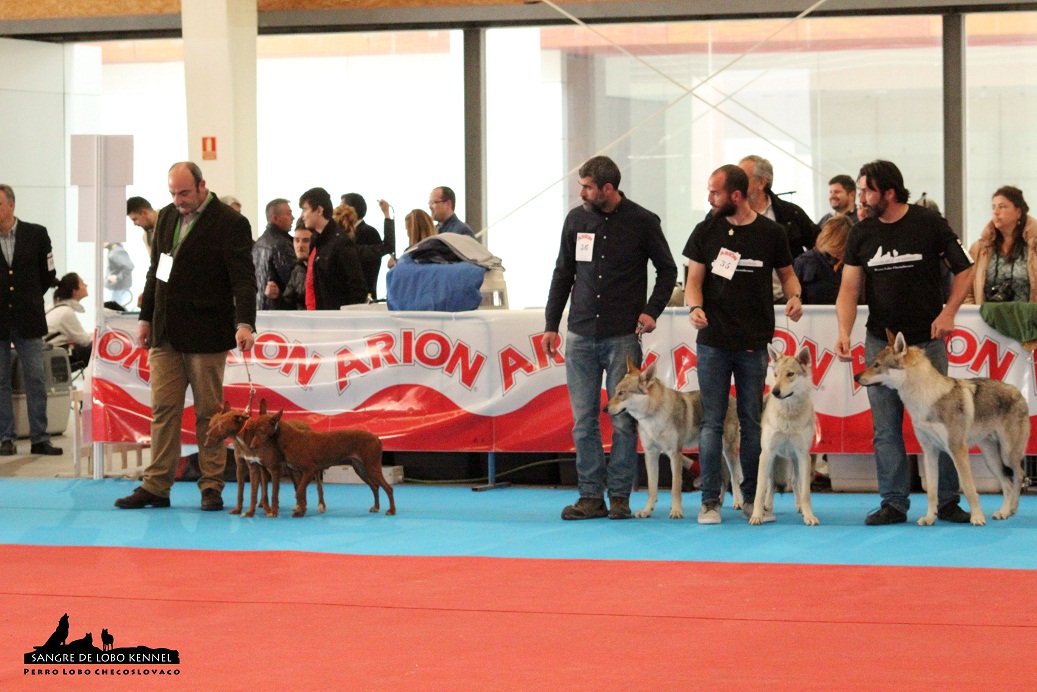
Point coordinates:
[[511, 522]]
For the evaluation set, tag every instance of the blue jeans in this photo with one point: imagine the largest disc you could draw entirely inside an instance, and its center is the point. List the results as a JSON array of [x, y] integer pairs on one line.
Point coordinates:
[[887, 416], [715, 368], [30, 353], [586, 358]]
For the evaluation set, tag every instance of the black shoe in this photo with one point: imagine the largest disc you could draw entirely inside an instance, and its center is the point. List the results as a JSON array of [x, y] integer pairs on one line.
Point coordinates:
[[212, 500], [886, 514], [46, 449], [953, 513], [7, 448], [140, 499]]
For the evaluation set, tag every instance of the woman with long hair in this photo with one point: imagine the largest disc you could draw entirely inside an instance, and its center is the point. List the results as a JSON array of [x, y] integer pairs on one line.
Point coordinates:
[[63, 326], [1006, 252], [419, 226], [820, 269]]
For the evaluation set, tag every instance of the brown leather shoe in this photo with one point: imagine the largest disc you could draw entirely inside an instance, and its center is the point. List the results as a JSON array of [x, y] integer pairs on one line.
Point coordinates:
[[619, 507], [140, 499], [212, 500], [586, 508]]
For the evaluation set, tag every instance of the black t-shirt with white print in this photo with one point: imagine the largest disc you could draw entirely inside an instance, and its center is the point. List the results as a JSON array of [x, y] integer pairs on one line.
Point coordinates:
[[901, 263], [740, 310]]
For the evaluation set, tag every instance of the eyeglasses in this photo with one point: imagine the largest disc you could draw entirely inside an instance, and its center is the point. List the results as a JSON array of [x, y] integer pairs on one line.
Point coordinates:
[[435, 201]]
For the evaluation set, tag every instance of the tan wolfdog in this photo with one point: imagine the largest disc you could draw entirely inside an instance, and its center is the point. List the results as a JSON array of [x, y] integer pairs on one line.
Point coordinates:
[[952, 415], [787, 431], [668, 422]]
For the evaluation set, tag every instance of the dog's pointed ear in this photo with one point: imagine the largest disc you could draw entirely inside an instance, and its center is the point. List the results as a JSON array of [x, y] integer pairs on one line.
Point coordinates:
[[900, 344], [804, 357], [277, 416], [632, 366], [649, 373], [226, 406], [890, 336], [773, 353], [262, 406]]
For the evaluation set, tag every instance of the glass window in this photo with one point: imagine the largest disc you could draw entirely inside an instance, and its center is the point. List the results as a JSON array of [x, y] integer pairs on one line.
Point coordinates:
[[817, 97], [1001, 80], [376, 113]]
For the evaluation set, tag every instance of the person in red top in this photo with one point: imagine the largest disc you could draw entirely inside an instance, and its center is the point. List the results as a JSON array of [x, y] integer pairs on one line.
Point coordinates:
[[334, 277]]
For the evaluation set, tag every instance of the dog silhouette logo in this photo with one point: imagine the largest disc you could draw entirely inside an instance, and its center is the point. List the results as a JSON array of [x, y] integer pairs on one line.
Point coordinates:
[[58, 638], [58, 650]]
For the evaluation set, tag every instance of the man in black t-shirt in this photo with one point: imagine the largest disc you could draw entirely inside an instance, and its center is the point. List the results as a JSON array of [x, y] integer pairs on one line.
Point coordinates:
[[732, 255], [900, 248]]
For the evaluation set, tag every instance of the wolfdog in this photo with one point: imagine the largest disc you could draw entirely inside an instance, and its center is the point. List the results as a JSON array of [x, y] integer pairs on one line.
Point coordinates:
[[787, 431], [668, 422], [952, 415]]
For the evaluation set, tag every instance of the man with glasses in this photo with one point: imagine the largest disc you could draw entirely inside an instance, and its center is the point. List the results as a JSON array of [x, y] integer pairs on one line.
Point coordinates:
[[441, 203]]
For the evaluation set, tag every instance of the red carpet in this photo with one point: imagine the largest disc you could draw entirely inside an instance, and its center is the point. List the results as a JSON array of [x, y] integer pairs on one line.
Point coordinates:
[[284, 620]]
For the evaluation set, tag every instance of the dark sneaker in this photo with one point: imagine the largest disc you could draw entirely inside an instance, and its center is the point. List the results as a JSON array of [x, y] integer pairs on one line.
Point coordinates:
[[586, 508], [7, 448], [45, 449], [619, 507], [709, 513], [953, 513], [886, 514], [140, 499], [212, 500]]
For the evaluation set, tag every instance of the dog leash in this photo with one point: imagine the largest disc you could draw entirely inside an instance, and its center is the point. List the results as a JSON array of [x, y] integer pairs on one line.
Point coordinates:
[[251, 387]]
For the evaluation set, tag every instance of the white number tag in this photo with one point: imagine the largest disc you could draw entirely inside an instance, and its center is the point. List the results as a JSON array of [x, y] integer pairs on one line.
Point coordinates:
[[584, 247], [165, 265], [725, 263]]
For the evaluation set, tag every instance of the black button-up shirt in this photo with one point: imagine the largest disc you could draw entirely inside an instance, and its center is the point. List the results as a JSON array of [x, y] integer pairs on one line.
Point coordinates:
[[608, 292]]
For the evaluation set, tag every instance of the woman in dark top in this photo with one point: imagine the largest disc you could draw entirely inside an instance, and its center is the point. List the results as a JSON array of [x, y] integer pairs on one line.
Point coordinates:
[[820, 270]]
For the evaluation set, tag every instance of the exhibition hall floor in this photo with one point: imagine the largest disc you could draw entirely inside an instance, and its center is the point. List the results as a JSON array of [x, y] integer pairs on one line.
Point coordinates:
[[491, 590]]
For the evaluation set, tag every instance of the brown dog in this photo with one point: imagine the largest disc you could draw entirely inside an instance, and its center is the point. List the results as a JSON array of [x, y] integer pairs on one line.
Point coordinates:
[[310, 453], [259, 465]]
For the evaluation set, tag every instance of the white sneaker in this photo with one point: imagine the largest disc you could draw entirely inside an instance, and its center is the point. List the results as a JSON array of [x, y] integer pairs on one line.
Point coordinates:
[[710, 512]]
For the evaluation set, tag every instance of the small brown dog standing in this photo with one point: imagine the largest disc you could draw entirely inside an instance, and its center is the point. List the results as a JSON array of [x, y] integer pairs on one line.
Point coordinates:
[[259, 465], [310, 453]]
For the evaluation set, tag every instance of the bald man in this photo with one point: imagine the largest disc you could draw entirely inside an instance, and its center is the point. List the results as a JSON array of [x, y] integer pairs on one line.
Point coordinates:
[[199, 302]]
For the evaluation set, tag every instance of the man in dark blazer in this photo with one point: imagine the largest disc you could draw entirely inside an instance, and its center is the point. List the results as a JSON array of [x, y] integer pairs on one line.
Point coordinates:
[[335, 274], [199, 302], [26, 273]]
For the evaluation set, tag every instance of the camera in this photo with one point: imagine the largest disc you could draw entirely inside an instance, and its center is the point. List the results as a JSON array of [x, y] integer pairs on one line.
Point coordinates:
[[1000, 294]]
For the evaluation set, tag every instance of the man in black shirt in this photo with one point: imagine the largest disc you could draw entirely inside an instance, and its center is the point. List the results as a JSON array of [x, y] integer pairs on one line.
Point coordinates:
[[732, 256], [900, 248], [602, 267]]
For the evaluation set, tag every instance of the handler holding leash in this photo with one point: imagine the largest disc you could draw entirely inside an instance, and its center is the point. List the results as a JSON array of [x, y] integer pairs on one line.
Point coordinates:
[[732, 255], [602, 264], [199, 302], [900, 248]]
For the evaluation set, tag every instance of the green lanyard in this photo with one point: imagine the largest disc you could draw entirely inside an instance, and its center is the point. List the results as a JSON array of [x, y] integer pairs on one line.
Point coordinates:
[[176, 235]]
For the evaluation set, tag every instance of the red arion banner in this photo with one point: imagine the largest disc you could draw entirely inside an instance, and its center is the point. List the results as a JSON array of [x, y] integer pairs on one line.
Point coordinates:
[[482, 381]]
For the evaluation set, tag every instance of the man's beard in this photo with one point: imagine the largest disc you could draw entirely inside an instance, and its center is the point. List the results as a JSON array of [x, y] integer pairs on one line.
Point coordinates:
[[728, 209], [878, 209]]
